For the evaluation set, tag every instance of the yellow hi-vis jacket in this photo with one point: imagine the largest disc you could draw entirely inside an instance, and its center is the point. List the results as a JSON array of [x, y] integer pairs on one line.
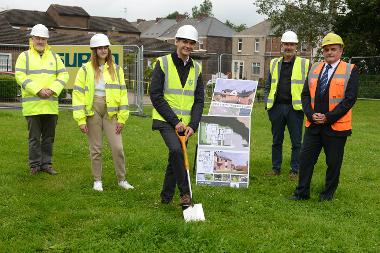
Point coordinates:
[[300, 68], [35, 72], [84, 90], [180, 99]]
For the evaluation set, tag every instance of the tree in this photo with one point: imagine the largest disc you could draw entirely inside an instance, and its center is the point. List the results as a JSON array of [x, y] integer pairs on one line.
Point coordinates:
[[174, 15], [205, 9], [310, 19], [360, 28], [237, 28]]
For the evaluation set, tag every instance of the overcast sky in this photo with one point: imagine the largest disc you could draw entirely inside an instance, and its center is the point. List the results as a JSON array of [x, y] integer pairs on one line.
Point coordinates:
[[237, 11]]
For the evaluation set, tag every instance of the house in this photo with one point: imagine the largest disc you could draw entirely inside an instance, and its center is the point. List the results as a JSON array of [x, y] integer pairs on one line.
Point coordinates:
[[215, 39], [154, 28], [253, 50], [68, 25], [222, 163]]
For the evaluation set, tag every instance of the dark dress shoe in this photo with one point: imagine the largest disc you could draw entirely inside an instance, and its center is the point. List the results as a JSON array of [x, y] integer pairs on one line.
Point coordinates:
[[325, 198], [34, 170], [185, 200], [49, 170], [166, 201], [298, 197], [272, 173]]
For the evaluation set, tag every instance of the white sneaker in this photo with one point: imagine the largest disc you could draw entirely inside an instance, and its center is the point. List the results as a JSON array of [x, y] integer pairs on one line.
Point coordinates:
[[124, 184], [98, 186]]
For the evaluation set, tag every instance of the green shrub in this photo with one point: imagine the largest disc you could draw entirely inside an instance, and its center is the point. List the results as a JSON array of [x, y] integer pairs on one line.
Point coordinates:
[[8, 86]]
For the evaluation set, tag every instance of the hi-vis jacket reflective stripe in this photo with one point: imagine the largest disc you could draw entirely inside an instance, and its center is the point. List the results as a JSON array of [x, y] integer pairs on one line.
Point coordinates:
[[35, 72], [298, 78], [180, 99], [84, 90], [337, 89]]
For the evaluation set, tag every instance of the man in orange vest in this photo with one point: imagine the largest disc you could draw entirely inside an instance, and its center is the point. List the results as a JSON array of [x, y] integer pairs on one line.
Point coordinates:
[[329, 93]]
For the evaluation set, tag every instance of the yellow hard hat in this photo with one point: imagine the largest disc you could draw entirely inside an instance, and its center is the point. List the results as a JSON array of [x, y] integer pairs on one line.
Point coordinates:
[[332, 39]]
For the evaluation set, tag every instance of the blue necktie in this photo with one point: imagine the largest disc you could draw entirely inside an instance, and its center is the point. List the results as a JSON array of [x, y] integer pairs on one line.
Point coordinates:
[[324, 80]]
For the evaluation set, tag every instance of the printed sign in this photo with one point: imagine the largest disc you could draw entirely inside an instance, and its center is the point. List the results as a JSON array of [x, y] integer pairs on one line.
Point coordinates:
[[224, 135], [75, 56]]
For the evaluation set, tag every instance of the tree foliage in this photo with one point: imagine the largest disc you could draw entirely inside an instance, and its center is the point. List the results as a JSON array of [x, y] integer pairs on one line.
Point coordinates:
[[360, 28], [205, 9], [174, 15], [237, 28], [310, 19]]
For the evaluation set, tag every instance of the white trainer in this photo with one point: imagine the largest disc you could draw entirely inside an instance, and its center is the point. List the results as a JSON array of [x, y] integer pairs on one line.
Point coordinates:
[[124, 184], [98, 186]]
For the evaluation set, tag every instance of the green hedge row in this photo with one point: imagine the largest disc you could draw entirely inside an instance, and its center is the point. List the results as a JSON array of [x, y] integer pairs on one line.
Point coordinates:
[[8, 87]]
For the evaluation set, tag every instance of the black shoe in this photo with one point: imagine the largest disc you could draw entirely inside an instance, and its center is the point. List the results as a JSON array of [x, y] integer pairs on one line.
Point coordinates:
[[185, 200], [34, 170], [272, 173], [50, 170], [293, 176], [325, 198], [298, 197], [166, 201]]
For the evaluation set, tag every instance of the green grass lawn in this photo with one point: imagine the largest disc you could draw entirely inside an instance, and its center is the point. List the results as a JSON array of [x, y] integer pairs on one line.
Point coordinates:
[[64, 214]]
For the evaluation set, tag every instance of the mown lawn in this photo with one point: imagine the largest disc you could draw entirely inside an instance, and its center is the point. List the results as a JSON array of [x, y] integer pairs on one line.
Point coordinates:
[[64, 214]]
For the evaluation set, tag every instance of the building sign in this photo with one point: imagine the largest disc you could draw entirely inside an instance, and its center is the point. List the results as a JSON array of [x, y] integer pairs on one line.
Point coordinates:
[[75, 56]]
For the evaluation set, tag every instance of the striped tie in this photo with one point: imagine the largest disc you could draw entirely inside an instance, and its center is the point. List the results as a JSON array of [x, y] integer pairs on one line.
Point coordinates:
[[324, 80]]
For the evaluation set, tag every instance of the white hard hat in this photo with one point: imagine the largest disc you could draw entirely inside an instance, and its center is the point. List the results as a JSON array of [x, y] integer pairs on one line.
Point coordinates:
[[99, 40], [289, 36], [40, 30], [187, 32]]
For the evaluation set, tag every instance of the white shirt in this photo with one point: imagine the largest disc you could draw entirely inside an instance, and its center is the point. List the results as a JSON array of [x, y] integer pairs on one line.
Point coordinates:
[[100, 86], [331, 70], [186, 61]]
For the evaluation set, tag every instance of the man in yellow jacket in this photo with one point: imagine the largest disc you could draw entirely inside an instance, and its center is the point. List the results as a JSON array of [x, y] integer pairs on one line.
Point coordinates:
[[282, 93], [42, 76], [177, 96]]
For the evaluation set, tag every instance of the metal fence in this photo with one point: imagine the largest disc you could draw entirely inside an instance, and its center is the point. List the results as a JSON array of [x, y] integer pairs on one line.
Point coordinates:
[[133, 62], [255, 67]]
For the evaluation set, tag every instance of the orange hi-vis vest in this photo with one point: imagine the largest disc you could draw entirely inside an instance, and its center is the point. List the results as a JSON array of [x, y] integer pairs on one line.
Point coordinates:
[[337, 89]]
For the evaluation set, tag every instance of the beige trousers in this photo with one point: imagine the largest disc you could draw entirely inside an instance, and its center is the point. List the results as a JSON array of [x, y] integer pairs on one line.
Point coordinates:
[[96, 125]]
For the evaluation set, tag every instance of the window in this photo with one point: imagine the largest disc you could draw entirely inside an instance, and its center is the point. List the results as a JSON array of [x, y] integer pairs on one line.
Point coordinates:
[[5, 62], [256, 68], [240, 45], [241, 70], [200, 44], [303, 46], [257, 45]]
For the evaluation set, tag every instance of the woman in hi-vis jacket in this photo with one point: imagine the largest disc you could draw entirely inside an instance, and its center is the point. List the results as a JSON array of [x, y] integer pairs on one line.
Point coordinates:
[[100, 104]]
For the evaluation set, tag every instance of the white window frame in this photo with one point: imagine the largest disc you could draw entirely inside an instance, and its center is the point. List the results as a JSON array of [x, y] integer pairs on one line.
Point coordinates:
[[240, 45], [5, 62], [256, 66], [200, 44], [257, 45]]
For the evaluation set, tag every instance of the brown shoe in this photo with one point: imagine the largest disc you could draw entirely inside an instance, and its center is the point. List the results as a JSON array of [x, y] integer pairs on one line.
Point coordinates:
[[185, 200], [34, 170], [273, 173], [293, 176], [49, 170]]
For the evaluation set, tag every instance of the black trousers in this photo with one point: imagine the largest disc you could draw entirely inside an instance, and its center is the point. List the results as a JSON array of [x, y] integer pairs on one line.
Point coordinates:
[[175, 170], [41, 139], [282, 115], [333, 146]]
